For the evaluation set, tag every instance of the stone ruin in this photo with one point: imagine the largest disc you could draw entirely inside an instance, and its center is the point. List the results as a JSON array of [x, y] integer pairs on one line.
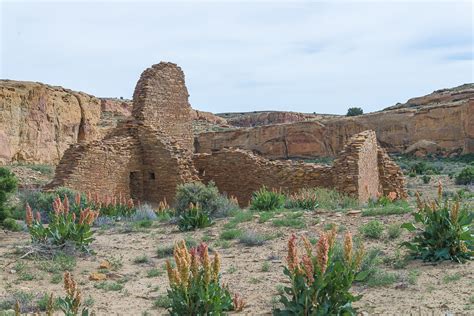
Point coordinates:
[[146, 157]]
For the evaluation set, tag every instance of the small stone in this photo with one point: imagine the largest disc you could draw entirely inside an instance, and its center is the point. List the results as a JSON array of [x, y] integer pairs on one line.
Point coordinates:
[[105, 264], [96, 276]]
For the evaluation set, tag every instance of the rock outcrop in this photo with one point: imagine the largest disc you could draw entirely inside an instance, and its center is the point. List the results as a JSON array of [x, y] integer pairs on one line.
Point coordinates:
[[443, 118], [252, 119]]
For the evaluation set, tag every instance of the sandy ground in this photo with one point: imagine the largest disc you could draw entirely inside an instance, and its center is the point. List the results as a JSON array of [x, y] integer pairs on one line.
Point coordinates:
[[446, 287]]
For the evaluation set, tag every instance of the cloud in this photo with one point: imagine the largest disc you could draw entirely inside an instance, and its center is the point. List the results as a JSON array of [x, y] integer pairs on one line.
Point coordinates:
[[245, 56]]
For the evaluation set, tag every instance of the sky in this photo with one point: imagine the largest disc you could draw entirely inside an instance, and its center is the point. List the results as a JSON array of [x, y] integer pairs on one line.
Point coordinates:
[[305, 56]]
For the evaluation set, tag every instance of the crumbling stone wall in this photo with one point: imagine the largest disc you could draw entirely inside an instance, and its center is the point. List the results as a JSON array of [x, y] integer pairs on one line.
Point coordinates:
[[239, 173], [390, 175], [160, 101]]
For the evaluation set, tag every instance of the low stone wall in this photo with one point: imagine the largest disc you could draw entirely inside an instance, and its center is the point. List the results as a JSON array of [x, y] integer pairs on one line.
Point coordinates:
[[239, 173]]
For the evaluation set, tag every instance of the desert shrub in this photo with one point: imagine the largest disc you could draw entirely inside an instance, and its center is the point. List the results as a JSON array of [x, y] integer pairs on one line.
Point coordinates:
[[426, 179], [64, 227], [320, 281], [394, 231], [252, 238], [354, 111], [230, 234], [108, 205], [207, 196], [305, 199], [466, 176], [43, 201], [8, 183], [443, 230], [44, 169], [372, 229], [195, 287], [266, 200], [193, 217], [144, 212], [11, 224]]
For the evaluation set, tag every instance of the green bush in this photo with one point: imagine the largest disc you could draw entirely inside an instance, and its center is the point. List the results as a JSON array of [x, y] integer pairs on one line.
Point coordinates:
[[193, 217], [195, 287], [11, 224], [265, 200], [320, 280], [426, 179], [354, 111], [207, 196], [64, 226], [466, 176], [328, 199], [8, 183], [372, 229], [443, 231]]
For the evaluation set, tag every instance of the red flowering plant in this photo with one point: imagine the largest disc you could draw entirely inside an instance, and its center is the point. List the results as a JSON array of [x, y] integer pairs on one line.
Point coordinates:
[[195, 287], [109, 205], [320, 278], [64, 226]]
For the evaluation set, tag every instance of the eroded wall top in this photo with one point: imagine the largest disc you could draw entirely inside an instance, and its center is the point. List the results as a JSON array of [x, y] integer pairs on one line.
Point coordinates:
[[160, 101]]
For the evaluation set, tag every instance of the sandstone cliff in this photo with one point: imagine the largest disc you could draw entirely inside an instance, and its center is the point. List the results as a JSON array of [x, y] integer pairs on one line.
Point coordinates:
[[444, 117], [252, 119]]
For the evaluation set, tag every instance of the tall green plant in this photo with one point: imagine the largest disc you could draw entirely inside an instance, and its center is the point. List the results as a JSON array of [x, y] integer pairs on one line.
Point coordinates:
[[443, 230], [320, 281], [194, 217]]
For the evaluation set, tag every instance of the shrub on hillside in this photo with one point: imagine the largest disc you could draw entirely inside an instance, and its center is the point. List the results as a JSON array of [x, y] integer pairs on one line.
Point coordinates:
[[195, 287], [320, 280], [266, 200], [466, 176], [321, 198], [206, 196], [354, 111], [443, 230], [8, 183]]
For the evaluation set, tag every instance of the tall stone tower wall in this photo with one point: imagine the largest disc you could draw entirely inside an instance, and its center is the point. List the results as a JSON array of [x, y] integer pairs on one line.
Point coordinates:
[[160, 101]]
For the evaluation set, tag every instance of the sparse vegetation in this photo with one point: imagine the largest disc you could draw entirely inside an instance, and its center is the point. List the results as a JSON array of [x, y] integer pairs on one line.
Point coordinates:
[[193, 217], [444, 230], [466, 176]]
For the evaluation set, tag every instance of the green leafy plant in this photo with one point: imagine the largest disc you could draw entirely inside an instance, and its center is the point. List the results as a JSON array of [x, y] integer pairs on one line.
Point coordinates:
[[320, 281], [8, 183], [443, 230], [372, 229], [466, 176], [266, 200], [64, 226], [195, 287], [426, 179], [193, 217]]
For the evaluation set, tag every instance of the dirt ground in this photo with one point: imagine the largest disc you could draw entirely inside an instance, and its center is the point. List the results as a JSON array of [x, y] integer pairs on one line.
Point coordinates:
[[254, 272]]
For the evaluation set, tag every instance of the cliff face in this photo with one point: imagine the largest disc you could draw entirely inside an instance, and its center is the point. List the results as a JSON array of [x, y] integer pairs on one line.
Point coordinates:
[[444, 118], [38, 122], [268, 118]]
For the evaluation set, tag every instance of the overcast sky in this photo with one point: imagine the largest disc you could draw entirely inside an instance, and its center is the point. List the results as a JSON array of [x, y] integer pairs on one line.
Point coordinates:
[[245, 56]]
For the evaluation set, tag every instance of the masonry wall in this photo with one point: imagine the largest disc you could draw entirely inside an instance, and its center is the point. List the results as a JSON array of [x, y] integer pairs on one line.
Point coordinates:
[[160, 100], [239, 173], [390, 175], [101, 167]]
